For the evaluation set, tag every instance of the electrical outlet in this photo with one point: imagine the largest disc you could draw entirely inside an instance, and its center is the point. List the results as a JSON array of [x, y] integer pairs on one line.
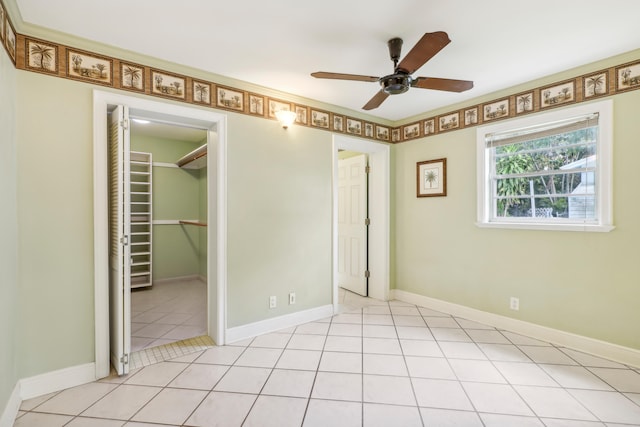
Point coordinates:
[[272, 302], [514, 303], [292, 298]]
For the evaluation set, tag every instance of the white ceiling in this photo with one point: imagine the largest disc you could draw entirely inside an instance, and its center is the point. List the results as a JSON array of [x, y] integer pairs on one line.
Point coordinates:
[[277, 44]]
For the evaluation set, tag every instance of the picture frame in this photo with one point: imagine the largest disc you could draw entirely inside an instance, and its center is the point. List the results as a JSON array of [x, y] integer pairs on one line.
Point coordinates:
[[168, 85], [320, 119], [354, 127], [256, 104], [382, 133], [524, 103], [558, 94], [277, 105], [431, 178], [595, 85], [302, 114], [41, 56], [471, 116], [10, 39], [3, 14], [89, 67], [229, 98], [368, 130], [628, 76], [449, 122], [429, 127], [201, 92], [395, 135], [132, 76], [338, 123], [495, 110], [411, 131]]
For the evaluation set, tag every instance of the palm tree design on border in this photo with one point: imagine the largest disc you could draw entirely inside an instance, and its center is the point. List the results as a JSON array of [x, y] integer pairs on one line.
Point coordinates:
[[524, 103], [594, 85], [202, 91], [132, 76], [42, 55]]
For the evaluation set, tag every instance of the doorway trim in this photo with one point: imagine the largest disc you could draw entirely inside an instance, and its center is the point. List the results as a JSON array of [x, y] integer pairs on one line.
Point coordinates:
[[215, 123], [379, 212]]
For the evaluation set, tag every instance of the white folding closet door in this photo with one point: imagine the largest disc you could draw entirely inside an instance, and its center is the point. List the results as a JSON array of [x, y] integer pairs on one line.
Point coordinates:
[[352, 228], [120, 234]]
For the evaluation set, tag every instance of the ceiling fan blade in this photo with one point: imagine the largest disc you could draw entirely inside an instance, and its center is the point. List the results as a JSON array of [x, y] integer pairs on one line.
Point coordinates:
[[377, 99], [424, 50], [435, 83], [340, 76]]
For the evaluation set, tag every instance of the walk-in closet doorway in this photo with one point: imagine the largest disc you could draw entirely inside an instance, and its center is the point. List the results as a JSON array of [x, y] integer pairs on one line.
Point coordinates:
[[124, 235], [168, 236]]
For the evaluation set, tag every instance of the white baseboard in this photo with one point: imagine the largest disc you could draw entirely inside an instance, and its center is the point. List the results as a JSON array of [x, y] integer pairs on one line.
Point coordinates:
[[56, 380], [281, 322], [607, 350], [10, 412]]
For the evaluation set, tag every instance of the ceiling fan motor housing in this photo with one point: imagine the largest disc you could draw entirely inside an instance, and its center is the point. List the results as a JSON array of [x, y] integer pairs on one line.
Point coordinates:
[[395, 84]]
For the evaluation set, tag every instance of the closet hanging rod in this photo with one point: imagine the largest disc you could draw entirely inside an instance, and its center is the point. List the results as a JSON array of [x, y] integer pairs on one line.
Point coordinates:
[[199, 224], [192, 156]]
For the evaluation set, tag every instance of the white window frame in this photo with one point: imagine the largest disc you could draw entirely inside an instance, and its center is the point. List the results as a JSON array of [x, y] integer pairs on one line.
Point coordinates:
[[604, 177]]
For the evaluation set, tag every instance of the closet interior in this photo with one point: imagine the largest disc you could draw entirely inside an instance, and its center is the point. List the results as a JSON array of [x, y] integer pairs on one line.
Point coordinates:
[[168, 234]]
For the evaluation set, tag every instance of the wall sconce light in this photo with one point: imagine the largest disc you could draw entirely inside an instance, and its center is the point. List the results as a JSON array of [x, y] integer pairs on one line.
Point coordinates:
[[285, 117]]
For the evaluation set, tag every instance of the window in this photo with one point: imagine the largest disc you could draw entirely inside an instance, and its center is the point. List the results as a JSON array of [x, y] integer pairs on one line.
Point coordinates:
[[550, 171]]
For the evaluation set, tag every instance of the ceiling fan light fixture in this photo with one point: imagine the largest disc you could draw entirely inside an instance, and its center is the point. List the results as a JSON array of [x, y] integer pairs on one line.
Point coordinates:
[[396, 83], [401, 80]]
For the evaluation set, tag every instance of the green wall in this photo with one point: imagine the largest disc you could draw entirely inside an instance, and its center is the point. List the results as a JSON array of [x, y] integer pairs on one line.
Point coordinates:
[[55, 218], [279, 218], [8, 230], [584, 283], [176, 195], [278, 207]]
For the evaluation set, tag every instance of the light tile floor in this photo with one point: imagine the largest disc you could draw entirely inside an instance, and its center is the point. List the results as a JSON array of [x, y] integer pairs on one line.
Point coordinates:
[[168, 312], [374, 364]]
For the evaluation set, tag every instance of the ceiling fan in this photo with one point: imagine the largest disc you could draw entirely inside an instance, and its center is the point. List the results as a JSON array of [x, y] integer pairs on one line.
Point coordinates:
[[401, 80]]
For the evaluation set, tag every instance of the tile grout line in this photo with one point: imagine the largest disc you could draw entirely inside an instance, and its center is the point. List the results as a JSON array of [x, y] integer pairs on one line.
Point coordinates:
[[406, 365]]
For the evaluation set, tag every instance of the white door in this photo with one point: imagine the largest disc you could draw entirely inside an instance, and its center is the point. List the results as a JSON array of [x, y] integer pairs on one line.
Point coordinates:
[[352, 228], [119, 234]]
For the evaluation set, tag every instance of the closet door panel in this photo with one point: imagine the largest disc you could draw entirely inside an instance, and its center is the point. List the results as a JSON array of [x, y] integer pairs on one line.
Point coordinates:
[[119, 240]]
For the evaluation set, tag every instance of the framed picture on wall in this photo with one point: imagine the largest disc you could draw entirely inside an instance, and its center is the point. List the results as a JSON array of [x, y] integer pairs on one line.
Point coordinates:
[[595, 84], [84, 66], [165, 84], [558, 94], [229, 98], [382, 133], [10, 40], [319, 119], [201, 92], [41, 56], [2, 13], [432, 178], [256, 104], [132, 76], [628, 76]]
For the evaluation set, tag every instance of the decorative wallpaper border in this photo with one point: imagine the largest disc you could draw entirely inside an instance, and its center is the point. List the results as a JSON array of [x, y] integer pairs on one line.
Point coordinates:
[[41, 56]]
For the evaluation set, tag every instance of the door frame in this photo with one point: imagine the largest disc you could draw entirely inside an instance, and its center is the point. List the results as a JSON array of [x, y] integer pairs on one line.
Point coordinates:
[[379, 211], [169, 112]]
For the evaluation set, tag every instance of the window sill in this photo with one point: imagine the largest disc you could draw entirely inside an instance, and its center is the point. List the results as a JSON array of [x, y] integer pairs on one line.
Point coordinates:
[[548, 227]]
